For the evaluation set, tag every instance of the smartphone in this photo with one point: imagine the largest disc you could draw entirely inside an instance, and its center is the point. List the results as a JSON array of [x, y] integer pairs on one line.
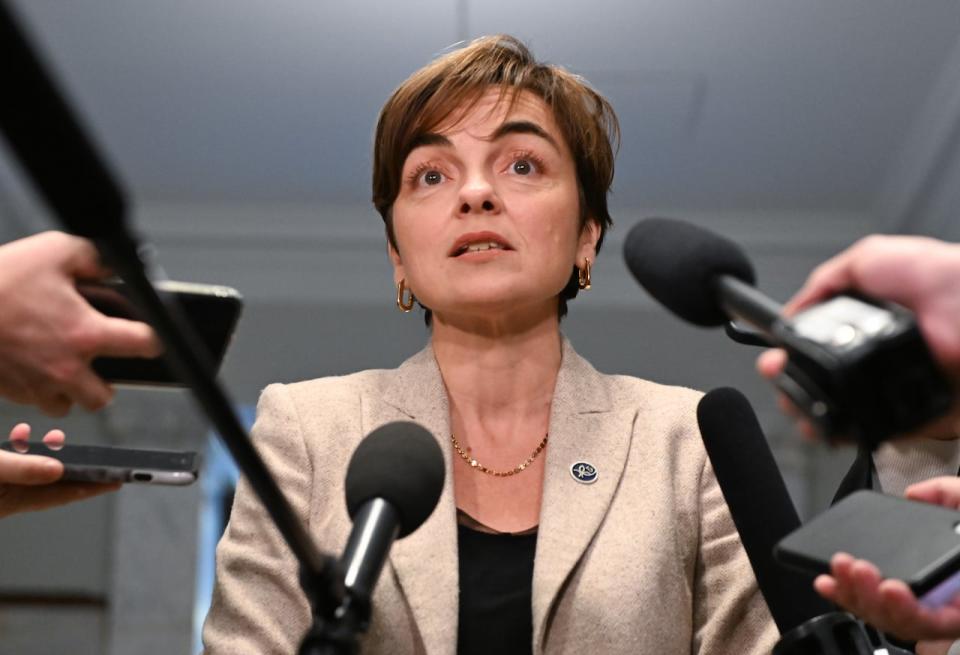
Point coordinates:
[[213, 311], [916, 542], [107, 464]]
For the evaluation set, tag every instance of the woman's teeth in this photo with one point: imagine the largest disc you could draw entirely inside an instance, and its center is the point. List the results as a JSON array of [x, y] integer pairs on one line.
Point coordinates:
[[480, 247]]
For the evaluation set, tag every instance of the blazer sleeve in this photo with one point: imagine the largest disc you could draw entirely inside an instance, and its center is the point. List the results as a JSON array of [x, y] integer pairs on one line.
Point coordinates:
[[258, 606], [730, 614]]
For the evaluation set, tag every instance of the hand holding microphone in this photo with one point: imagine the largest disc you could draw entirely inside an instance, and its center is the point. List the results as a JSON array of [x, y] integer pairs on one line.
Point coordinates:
[[919, 273], [856, 368]]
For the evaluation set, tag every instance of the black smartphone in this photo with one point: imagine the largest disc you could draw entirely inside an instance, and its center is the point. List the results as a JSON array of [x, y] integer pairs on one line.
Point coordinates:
[[108, 464], [916, 542], [212, 310]]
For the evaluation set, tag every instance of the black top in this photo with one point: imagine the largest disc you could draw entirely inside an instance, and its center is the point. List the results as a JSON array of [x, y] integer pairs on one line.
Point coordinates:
[[496, 578]]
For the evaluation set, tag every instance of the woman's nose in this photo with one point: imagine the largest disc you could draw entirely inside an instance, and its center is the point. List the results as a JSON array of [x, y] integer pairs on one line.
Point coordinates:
[[478, 196]]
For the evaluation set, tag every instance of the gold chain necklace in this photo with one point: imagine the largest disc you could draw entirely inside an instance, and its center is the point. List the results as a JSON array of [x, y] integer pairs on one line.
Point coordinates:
[[500, 474]]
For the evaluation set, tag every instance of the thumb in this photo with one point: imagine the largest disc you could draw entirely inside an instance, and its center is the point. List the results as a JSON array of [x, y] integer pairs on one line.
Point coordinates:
[[82, 259], [28, 469]]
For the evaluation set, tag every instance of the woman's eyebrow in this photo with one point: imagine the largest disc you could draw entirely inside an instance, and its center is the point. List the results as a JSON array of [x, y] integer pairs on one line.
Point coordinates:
[[429, 139], [507, 128], [524, 127]]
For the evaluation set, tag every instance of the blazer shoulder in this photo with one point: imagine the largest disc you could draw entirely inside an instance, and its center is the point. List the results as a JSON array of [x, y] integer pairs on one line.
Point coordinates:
[[335, 390], [629, 390]]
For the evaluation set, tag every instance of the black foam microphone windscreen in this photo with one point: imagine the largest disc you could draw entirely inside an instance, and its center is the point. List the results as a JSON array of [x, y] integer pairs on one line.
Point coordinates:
[[50, 143], [678, 263], [401, 463], [759, 502]]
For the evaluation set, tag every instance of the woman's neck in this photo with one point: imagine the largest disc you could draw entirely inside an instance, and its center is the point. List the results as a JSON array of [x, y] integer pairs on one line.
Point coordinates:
[[498, 368]]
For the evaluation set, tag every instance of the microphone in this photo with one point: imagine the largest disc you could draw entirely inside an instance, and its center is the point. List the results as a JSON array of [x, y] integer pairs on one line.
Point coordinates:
[[393, 483], [763, 513], [758, 500], [857, 368], [693, 272]]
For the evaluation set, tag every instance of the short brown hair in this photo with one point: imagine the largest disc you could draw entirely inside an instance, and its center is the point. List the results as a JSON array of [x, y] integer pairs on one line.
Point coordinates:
[[429, 96]]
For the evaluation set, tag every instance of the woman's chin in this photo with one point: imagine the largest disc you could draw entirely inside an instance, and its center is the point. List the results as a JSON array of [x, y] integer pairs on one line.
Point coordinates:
[[488, 309]]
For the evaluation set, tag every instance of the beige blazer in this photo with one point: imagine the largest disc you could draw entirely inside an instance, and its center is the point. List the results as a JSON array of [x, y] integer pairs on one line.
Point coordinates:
[[645, 561]]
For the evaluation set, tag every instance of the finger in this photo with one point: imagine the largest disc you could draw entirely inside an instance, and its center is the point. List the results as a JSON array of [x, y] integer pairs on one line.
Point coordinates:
[[809, 431], [56, 405], [771, 363], [787, 407], [941, 334], [934, 647], [120, 337], [904, 614], [841, 568], [827, 279], [82, 259], [944, 622], [866, 581], [943, 491], [20, 432], [54, 439], [89, 390], [805, 427], [826, 586], [16, 468]]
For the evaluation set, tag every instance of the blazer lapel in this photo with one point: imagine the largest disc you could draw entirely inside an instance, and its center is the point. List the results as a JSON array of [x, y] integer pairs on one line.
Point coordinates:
[[583, 429], [425, 562]]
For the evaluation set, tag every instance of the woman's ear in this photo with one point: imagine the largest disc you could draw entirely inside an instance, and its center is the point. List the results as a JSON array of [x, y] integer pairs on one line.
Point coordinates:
[[589, 236], [398, 273]]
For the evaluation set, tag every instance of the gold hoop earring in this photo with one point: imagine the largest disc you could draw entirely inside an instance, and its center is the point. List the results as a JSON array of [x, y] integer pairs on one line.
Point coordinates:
[[401, 305], [583, 278]]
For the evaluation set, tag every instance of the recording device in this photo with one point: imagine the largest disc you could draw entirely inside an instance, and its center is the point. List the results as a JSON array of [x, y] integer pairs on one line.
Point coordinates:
[[763, 513], [858, 369], [925, 554], [212, 311], [105, 464]]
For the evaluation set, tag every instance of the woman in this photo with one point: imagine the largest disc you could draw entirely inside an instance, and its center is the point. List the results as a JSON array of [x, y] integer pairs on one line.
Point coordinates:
[[579, 510]]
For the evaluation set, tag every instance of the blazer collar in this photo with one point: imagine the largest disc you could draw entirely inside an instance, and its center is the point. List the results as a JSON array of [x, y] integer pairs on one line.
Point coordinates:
[[583, 428], [425, 562]]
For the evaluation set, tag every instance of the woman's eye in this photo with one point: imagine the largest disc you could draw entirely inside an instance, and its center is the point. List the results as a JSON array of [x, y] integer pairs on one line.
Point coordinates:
[[523, 167], [431, 177]]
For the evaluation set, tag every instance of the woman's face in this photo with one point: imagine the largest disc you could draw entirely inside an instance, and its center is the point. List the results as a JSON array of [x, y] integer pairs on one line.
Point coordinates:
[[487, 216]]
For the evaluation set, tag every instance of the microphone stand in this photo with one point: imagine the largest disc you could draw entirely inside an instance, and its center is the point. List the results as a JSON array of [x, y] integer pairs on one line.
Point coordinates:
[[81, 191]]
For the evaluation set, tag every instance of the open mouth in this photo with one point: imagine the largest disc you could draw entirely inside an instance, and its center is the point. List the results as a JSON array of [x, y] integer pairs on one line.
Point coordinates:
[[478, 242], [479, 247]]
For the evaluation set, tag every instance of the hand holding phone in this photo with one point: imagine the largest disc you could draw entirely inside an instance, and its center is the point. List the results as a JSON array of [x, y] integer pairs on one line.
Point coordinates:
[[104, 464], [30, 483], [917, 543], [212, 311]]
